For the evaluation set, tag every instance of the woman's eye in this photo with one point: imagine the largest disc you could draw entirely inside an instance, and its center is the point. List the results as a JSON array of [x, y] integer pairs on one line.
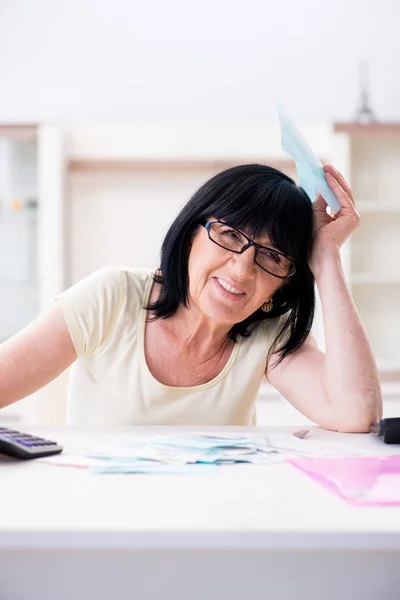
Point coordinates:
[[275, 257], [232, 234]]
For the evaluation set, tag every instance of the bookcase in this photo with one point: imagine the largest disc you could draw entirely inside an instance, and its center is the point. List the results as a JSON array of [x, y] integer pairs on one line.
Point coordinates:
[[32, 227], [18, 228], [373, 253]]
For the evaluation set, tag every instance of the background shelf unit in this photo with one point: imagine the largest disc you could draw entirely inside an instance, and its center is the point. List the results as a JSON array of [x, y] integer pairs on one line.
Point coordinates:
[[18, 227], [19, 279], [374, 249]]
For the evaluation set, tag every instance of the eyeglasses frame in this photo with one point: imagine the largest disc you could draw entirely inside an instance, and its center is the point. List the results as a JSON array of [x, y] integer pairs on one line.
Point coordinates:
[[250, 242]]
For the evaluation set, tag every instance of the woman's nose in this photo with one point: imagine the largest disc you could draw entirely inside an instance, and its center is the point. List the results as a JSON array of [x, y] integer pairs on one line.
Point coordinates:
[[244, 263]]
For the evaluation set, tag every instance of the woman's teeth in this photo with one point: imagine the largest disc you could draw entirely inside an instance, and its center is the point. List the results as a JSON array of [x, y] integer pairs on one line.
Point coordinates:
[[229, 288]]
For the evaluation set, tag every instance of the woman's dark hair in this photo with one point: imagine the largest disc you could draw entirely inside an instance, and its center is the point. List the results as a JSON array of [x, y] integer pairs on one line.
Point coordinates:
[[260, 200]]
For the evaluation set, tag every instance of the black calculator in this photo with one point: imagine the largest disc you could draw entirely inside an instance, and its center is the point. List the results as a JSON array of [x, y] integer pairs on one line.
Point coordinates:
[[24, 445]]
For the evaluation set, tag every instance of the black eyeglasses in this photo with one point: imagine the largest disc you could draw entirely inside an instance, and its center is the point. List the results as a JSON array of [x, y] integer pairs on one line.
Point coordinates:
[[274, 262]]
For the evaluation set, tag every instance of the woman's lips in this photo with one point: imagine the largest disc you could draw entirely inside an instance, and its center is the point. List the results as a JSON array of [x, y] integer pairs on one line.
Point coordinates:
[[226, 293]]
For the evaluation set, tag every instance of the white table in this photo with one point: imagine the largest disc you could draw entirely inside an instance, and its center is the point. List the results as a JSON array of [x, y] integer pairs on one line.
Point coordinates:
[[241, 532]]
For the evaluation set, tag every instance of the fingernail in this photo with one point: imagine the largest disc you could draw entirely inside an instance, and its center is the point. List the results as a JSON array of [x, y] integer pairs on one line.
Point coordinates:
[[301, 434]]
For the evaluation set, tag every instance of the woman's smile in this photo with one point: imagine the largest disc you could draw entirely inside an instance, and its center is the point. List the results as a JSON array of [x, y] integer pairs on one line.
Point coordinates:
[[227, 290]]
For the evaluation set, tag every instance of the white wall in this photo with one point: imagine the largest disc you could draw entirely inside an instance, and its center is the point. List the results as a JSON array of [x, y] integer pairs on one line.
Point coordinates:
[[122, 219], [195, 59]]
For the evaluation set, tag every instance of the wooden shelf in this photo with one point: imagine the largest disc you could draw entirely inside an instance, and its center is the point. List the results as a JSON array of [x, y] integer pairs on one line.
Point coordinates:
[[365, 208], [357, 129], [175, 165], [389, 370], [373, 278], [26, 131]]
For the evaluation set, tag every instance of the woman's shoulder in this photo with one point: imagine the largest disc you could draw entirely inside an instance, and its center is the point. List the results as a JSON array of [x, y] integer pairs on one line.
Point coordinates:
[[136, 280], [135, 274], [268, 330], [98, 304], [121, 276], [109, 289]]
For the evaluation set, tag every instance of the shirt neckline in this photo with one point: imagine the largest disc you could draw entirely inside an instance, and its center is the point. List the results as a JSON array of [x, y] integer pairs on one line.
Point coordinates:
[[195, 388]]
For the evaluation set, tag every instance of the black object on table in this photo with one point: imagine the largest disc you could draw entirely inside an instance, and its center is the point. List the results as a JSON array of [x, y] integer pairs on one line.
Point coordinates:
[[388, 430], [24, 445]]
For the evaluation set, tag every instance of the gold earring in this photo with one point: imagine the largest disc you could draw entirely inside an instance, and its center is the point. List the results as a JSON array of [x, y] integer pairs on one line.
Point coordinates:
[[267, 306]]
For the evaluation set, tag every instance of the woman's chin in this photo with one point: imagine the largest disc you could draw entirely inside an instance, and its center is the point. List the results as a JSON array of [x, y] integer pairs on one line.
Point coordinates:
[[223, 313]]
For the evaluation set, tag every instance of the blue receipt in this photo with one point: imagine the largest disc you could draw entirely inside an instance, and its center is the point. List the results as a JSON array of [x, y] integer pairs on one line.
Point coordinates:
[[309, 167]]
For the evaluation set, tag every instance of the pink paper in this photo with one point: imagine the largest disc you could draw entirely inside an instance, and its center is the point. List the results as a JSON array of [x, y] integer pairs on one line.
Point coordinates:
[[363, 480]]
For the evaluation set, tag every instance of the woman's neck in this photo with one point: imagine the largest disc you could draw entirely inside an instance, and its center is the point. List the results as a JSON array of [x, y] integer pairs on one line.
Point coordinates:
[[193, 330]]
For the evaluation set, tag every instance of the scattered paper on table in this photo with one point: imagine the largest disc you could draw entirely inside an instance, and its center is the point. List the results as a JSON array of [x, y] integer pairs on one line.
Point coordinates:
[[176, 453], [294, 446]]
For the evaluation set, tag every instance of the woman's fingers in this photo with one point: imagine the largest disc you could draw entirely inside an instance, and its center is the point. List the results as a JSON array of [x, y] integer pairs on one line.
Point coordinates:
[[329, 169], [321, 209], [341, 194], [345, 199]]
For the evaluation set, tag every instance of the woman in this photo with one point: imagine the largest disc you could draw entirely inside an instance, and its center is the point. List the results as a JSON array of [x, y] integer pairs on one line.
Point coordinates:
[[233, 301]]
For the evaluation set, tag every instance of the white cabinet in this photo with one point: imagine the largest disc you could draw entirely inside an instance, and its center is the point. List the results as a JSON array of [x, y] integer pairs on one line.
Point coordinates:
[[32, 227], [373, 165], [18, 228]]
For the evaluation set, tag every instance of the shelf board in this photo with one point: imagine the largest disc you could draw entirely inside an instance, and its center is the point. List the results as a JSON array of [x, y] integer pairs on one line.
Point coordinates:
[[20, 131], [170, 165], [373, 278], [377, 208], [387, 376], [358, 129], [389, 371]]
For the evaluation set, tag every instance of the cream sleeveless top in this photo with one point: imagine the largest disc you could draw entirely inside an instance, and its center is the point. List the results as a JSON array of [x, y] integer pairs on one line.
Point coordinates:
[[110, 383]]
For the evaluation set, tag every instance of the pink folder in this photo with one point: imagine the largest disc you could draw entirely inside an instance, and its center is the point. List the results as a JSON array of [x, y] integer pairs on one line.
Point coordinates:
[[362, 481]]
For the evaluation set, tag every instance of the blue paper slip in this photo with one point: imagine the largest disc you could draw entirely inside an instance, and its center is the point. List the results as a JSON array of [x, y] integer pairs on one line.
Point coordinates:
[[309, 167], [189, 449], [147, 467]]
